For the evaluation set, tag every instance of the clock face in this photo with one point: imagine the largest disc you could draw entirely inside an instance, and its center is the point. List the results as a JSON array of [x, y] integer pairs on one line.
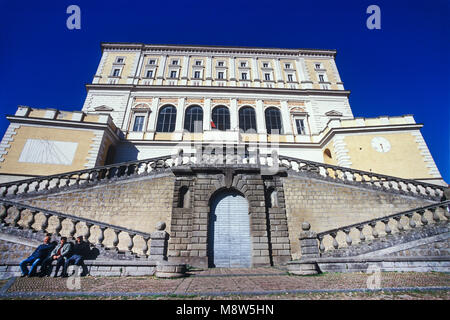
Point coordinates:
[[381, 144]]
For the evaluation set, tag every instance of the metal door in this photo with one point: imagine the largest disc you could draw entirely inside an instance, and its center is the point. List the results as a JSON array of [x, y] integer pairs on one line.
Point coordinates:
[[229, 243]]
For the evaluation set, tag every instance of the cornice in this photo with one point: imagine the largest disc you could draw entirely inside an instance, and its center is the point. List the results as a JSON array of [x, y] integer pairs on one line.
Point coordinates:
[[216, 49], [296, 92], [63, 123]]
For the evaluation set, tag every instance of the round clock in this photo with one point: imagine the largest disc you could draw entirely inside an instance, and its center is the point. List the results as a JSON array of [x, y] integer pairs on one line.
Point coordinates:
[[381, 144]]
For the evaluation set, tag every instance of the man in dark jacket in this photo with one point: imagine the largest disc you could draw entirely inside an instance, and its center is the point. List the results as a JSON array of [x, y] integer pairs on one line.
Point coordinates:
[[59, 253], [80, 251], [36, 257]]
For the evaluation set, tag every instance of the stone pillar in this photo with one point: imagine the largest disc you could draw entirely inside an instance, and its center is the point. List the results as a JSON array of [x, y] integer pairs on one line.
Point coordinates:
[[310, 253], [158, 245]]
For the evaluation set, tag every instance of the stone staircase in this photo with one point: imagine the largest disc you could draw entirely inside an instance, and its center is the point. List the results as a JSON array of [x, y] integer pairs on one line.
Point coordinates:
[[116, 243], [112, 248], [412, 240]]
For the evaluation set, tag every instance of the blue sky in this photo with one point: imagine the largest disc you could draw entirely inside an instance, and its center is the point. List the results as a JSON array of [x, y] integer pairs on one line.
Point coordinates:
[[404, 68]]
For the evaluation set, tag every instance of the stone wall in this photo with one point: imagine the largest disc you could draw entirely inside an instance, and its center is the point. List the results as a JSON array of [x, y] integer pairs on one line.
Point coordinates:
[[327, 205], [137, 204]]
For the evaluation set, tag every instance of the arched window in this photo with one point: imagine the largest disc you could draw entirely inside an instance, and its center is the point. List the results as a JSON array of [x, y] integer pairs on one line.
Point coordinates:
[[166, 119], [221, 118], [247, 119], [273, 120], [193, 120]]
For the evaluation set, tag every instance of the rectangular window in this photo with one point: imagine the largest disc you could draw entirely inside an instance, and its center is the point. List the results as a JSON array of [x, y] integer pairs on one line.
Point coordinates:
[[173, 74], [151, 61], [321, 79], [174, 62], [265, 65], [198, 63], [220, 63], [197, 74], [287, 65], [150, 74], [290, 78], [116, 72], [300, 126], [244, 76], [119, 60], [243, 64], [267, 76], [318, 65], [138, 123], [220, 75]]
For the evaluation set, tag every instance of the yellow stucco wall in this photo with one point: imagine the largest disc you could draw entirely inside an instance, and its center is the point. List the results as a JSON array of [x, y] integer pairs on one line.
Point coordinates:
[[12, 165], [403, 160], [108, 66]]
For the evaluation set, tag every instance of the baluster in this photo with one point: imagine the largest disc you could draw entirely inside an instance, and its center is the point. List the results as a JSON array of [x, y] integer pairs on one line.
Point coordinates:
[[101, 236], [87, 234], [321, 245], [362, 237], [4, 191], [412, 223], [423, 220], [348, 239], [131, 243], [36, 186], [435, 215], [17, 217], [145, 247], [387, 229], [32, 219], [59, 226], [116, 238], [15, 189], [374, 229], [446, 209], [26, 188], [74, 227], [107, 173], [3, 213], [46, 184], [399, 224], [335, 243], [78, 179], [44, 224], [427, 191]]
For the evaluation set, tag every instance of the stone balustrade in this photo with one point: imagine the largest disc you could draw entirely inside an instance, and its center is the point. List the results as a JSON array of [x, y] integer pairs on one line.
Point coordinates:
[[376, 228], [119, 240], [379, 181], [224, 157], [85, 177]]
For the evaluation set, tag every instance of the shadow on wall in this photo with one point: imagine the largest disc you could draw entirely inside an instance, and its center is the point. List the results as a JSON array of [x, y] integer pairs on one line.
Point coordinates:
[[123, 152]]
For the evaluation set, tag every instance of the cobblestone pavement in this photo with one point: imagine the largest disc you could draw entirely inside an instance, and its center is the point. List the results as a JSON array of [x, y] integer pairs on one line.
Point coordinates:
[[257, 283]]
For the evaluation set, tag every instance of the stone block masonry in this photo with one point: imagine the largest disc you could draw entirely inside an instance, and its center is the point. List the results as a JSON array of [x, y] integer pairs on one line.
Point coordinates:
[[327, 205], [137, 204]]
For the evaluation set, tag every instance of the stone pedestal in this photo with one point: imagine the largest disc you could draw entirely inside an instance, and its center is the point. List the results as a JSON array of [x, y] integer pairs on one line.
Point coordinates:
[[159, 243], [310, 252], [165, 269]]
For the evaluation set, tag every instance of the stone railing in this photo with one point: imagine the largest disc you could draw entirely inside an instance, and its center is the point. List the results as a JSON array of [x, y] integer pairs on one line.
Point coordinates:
[[87, 176], [114, 239], [359, 233], [272, 161], [379, 181]]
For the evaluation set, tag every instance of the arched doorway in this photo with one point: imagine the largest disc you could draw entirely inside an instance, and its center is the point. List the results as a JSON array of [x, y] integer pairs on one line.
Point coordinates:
[[229, 241]]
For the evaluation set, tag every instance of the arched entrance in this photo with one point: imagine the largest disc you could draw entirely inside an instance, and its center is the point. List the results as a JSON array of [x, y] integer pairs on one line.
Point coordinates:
[[229, 241]]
